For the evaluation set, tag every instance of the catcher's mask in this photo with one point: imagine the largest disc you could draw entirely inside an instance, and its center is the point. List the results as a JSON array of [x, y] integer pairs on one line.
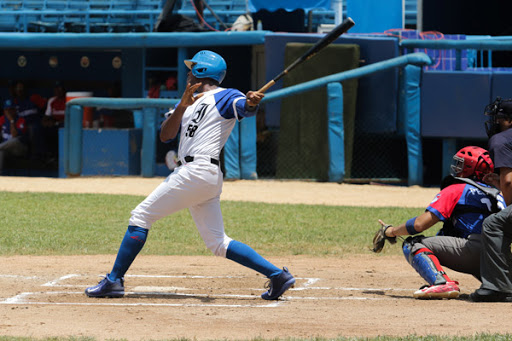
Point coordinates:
[[500, 108], [472, 162]]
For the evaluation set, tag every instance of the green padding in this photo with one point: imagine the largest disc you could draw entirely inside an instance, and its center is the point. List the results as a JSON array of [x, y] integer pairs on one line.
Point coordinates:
[[303, 146]]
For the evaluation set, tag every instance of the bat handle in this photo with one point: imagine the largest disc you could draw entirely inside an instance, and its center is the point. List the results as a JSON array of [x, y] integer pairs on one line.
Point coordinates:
[[267, 86]]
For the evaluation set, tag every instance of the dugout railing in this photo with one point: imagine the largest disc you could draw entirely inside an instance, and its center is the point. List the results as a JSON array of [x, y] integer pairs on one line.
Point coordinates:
[[72, 156]]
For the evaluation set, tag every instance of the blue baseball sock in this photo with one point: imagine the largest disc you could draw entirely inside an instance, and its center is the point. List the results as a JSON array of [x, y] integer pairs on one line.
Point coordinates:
[[245, 255], [132, 243]]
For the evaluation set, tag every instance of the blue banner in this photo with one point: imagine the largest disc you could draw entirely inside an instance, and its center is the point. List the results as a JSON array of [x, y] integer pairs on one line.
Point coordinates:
[[274, 5]]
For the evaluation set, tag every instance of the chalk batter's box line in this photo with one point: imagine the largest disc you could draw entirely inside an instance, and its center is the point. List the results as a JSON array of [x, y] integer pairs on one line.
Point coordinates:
[[307, 285], [21, 299]]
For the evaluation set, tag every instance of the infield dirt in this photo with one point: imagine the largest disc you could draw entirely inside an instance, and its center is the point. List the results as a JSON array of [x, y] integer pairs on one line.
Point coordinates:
[[207, 298]]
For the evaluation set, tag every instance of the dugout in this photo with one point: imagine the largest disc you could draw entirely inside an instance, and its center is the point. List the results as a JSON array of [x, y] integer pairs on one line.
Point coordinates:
[[142, 55], [94, 62]]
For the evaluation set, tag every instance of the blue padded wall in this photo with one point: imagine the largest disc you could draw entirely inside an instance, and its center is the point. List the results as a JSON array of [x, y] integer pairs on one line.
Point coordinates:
[[107, 152], [112, 151], [452, 104], [377, 94]]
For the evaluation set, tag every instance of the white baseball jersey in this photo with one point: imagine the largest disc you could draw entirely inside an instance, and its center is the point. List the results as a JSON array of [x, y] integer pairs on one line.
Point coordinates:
[[206, 124]]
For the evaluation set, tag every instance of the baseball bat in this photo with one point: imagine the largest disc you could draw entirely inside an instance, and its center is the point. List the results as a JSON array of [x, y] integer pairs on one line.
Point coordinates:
[[329, 38]]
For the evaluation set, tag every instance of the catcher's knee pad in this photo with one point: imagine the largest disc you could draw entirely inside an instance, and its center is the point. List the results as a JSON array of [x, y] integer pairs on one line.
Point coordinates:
[[408, 245], [424, 262]]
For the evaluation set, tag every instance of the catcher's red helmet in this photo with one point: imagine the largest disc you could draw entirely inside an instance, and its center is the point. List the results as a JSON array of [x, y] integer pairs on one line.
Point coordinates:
[[472, 162]]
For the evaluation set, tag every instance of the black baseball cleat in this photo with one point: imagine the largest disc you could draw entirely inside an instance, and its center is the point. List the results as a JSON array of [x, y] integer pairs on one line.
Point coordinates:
[[277, 285], [488, 295], [107, 288]]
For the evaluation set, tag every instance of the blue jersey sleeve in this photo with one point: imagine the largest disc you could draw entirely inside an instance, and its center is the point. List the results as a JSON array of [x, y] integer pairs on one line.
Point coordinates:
[[231, 104]]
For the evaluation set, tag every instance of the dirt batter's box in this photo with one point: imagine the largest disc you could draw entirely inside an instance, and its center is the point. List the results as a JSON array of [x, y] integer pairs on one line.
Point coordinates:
[[181, 291]]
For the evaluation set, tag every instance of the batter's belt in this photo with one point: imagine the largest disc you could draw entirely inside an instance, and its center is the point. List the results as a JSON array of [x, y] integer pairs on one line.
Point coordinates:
[[189, 158]]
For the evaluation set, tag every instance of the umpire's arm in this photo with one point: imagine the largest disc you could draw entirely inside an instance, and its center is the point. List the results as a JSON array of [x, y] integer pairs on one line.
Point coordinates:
[[506, 184]]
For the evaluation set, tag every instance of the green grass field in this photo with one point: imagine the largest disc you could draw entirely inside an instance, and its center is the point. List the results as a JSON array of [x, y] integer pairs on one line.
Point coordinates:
[[77, 224], [87, 224]]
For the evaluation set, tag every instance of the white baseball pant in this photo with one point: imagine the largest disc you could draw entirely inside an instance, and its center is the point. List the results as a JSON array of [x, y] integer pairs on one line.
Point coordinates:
[[197, 186]]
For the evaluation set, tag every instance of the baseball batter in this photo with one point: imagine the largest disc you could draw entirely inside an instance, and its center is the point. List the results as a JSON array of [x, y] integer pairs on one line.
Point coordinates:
[[204, 118]]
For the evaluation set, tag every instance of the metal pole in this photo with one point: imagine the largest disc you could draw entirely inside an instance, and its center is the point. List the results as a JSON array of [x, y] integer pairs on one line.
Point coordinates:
[[215, 15], [75, 140], [337, 6]]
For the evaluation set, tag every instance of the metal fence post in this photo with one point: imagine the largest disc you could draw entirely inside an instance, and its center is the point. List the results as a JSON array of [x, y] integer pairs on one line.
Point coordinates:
[[74, 138], [65, 138], [148, 153]]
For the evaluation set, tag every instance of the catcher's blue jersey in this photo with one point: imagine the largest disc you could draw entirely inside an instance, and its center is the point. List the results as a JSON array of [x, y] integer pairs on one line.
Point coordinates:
[[466, 205]]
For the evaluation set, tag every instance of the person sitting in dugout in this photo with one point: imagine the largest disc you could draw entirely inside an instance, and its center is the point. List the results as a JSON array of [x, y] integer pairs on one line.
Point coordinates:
[[462, 205]]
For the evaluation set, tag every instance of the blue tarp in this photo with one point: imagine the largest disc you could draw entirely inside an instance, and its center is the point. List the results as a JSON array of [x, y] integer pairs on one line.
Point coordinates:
[[375, 15], [306, 5]]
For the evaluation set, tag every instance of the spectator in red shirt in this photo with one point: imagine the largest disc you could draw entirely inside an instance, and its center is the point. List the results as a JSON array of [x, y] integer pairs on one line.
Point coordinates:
[[52, 120], [56, 107]]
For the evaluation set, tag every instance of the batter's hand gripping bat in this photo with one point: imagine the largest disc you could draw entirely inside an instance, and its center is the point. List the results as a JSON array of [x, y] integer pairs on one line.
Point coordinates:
[[329, 38]]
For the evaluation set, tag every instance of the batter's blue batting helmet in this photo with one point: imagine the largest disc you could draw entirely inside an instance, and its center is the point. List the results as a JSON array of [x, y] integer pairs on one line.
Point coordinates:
[[207, 64]]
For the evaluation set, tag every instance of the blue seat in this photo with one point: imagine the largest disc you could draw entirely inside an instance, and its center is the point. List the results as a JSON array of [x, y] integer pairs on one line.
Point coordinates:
[[131, 15], [79, 15]]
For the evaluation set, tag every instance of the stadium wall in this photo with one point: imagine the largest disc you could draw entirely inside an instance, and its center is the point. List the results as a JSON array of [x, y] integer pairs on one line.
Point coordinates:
[[449, 99]]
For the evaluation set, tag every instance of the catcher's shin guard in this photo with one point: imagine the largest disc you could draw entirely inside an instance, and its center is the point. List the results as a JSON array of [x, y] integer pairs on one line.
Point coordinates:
[[425, 263]]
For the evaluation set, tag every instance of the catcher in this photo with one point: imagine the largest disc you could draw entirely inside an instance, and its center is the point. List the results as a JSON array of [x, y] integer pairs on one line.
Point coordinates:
[[462, 205]]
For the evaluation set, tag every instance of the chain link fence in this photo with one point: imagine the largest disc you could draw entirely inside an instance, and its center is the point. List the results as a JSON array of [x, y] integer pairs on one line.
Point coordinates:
[[376, 157]]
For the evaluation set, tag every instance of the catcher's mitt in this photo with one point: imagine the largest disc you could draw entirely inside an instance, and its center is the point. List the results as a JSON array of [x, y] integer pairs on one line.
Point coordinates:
[[380, 239]]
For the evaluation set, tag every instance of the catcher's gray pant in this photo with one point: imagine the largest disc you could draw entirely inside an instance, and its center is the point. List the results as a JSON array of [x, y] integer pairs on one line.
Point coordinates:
[[459, 254], [496, 258]]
